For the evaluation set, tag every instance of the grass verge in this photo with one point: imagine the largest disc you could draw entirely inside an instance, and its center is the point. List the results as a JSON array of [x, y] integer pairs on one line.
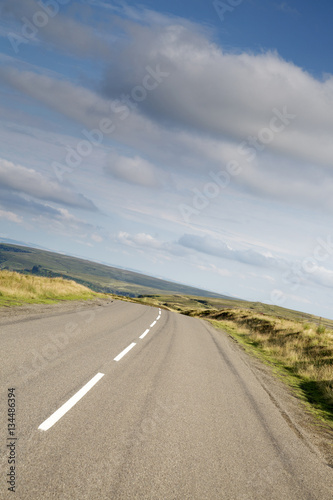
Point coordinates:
[[298, 346], [19, 289], [301, 354]]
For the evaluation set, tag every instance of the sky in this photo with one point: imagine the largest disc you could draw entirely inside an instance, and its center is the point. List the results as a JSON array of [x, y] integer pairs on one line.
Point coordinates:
[[190, 141]]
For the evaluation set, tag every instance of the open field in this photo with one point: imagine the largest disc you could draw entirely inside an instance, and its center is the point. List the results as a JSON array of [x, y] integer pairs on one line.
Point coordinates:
[[17, 289]]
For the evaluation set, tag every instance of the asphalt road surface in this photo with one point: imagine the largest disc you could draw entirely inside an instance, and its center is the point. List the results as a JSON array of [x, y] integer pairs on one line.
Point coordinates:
[[179, 413]]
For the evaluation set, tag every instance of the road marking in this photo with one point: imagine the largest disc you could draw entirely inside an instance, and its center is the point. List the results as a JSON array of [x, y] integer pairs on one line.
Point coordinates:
[[49, 422], [70, 403], [144, 333], [125, 351]]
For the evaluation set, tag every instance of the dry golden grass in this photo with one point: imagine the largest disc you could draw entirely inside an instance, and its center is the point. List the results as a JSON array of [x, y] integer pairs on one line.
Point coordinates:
[[27, 288], [303, 349]]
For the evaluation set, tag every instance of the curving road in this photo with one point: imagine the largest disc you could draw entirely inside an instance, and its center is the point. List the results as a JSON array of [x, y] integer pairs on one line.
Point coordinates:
[[124, 402]]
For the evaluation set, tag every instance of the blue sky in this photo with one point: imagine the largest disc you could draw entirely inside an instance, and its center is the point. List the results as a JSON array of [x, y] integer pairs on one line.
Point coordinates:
[[187, 140]]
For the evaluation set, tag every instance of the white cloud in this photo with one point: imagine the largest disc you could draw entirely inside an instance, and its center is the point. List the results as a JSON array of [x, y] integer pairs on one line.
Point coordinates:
[[97, 238], [146, 241], [32, 183], [10, 216], [188, 244], [134, 170], [298, 298], [225, 94], [322, 276], [211, 103], [52, 25], [214, 269], [73, 101], [140, 239], [66, 224], [288, 181], [218, 248]]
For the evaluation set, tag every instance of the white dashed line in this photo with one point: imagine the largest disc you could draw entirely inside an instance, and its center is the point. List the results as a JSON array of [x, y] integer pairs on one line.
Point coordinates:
[[144, 333], [48, 423], [125, 351], [70, 403]]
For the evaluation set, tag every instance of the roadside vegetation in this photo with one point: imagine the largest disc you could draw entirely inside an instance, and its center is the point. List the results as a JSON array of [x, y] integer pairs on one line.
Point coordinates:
[[301, 352], [298, 346], [18, 289]]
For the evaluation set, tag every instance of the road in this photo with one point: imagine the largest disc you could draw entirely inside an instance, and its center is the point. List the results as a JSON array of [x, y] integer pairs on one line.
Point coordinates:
[[179, 415]]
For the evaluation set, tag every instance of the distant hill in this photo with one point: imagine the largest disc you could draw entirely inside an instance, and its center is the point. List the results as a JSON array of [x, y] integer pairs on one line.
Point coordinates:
[[21, 243], [98, 277]]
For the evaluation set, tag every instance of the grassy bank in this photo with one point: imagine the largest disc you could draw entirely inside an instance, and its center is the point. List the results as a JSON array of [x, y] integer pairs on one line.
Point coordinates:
[[19, 289], [302, 353]]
